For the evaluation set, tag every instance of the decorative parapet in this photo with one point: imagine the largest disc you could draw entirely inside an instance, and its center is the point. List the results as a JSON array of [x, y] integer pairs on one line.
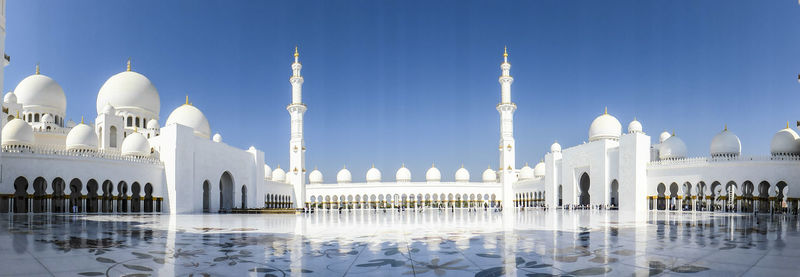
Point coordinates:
[[723, 159], [61, 151]]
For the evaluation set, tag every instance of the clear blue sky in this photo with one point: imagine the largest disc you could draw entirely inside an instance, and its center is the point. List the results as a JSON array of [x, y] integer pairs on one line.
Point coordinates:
[[388, 82]]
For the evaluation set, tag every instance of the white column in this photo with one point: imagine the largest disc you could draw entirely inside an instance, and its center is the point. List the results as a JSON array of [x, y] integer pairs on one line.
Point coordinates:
[[507, 147], [297, 170]]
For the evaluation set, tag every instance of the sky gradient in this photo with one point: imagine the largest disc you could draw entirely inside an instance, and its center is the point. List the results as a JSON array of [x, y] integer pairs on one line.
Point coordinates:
[[415, 82]]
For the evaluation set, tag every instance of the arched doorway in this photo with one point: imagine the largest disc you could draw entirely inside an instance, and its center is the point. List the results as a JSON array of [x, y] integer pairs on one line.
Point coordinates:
[[763, 197], [91, 196], [730, 193], [584, 187], [39, 195], [122, 193], [148, 198], [136, 199], [673, 196], [108, 190], [58, 195], [614, 194], [226, 192], [21, 195], [75, 196], [206, 194], [748, 199], [244, 197], [661, 202], [560, 195], [687, 204]]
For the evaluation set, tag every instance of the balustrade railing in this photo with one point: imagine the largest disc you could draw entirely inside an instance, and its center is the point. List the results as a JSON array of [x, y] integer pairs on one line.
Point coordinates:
[[60, 150], [722, 159]]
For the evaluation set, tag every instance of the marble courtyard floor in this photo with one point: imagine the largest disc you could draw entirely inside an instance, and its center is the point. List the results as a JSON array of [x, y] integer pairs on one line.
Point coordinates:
[[429, 243]]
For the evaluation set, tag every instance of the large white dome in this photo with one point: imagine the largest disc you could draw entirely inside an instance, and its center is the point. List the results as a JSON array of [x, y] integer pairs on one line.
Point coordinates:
[[605, 126], [462, 175], [10, 98], [40, 90], [17, 132], [726, 143], [131, 91], [433, 174], [82, 137], [189, 115], [489, 175], [278, 175], [373, 175], [539, 170], [344, 176], [526, 172], [315, 177], [784, 142], [135, 144], [267, 172], [403, 174], [672, 148]]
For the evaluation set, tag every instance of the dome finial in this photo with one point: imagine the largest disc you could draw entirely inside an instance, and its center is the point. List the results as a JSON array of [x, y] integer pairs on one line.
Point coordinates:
[[673, 132], [81, 119], [373, 165], [787, 124], [187, 100], [296, 54], [462, 165], [433, 164], [605, 110], [403, 165], [37, 68], [726, 127], [129, 64], [505, 53], [344, 166]]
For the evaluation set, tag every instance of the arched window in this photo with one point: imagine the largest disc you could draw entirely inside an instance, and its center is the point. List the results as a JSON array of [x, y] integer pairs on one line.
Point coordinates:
[[137, 122], [130, 121], [112, 137], [36, 118]]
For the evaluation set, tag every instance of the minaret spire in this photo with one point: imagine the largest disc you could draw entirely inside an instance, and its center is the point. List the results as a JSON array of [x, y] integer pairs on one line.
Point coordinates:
[[506, 108], [297, 149]]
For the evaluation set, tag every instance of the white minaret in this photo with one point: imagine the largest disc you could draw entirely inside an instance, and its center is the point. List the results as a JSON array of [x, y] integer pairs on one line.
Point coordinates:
[[297, 150], [507, 170]]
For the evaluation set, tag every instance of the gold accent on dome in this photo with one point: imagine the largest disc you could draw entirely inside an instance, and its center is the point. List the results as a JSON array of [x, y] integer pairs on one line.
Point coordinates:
[[81, 119], [129, 64], [37, 68], [726, 127], [605, 111], [296, 54], [787, 124], [505, 51]]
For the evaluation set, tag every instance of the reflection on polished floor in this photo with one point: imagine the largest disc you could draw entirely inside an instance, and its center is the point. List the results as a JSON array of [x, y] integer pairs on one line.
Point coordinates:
[[427, 243]]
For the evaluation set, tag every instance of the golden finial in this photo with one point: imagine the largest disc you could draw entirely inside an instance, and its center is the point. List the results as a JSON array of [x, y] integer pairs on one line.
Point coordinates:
[[187, 100], [344, 167], [726, 127], [37, 68], [505, 51], [403, 165], [279, 166], [462, 165], [296, 54], [787, 124], [605, 111], [673, 132], [81, 119], [373, 165], [433, 165], [129, 64], [489, 167]]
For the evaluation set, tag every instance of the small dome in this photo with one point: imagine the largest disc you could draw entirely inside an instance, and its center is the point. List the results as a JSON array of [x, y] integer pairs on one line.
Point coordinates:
[[605, 126], [47, 118], [539, 170], [315, 177], [672, 148], [344, 176], [784, 142], [17, 132], [526, 173], [489, 176], [726, 143], [217, 137], [433, 174], [108, 109], [130, 91], [278, 175], [555, 147], [373, 175], [152, 124], [403, 174], [135, 144], [634, 127], [40, 90], [267, 172], [190, 116], [664, 136], [462, 175], [10, 98], [82, 137]]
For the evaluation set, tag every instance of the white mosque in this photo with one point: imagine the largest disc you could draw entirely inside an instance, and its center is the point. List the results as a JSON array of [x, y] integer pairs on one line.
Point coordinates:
[[126, 161]]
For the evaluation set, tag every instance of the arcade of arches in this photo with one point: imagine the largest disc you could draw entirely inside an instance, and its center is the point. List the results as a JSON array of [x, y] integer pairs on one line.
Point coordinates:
[[746, 197], [394, 201], [105, 197]]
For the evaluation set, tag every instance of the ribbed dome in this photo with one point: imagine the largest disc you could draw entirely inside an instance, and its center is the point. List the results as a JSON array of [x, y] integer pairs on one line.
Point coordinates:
[[152, 124], [526, 173], [315, 177], [605, 126], [17, 132], [664, 136], [634, 127], [555, 147], [278, 175], [267, 172], [217, 138], [784, 142], [672, 148], [726, 143], [135, 144], [130, 91], [10, 98], [190, 116], [403, 174], [433, 174], [462, 175], [344, 176], [82, 137], [373, 175], [489, 175], [40, 90], [539, 170]]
